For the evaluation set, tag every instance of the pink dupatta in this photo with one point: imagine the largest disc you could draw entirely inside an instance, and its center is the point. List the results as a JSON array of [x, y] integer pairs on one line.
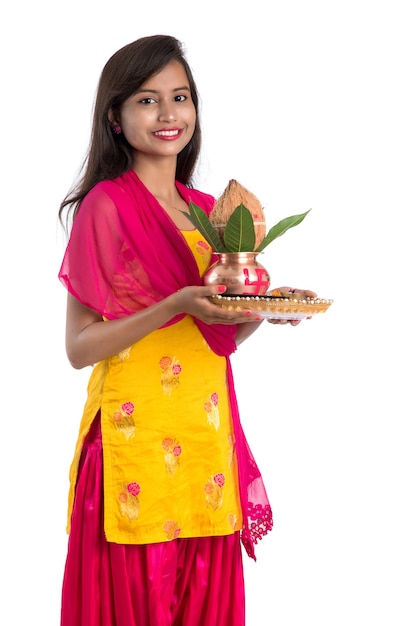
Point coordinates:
[[125, 254]]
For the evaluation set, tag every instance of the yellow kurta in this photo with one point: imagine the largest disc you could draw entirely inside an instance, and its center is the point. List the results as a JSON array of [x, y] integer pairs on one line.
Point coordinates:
[[170, 468]]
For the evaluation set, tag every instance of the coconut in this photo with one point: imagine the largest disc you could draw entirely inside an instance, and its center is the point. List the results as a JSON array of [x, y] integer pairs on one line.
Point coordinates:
[[234, 195]]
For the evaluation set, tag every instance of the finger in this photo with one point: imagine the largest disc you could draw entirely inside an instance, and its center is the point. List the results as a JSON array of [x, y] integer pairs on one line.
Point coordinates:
[[283, 321], [307, 292]]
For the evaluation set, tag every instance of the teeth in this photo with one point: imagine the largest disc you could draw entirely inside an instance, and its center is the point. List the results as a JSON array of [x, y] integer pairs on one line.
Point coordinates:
[[167, 133]]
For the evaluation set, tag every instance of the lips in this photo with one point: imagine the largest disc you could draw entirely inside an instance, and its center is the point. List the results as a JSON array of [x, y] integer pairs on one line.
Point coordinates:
[[168, 134]]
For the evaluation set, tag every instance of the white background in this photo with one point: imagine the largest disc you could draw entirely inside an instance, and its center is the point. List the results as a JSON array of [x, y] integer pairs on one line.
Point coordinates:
[[309, 104]]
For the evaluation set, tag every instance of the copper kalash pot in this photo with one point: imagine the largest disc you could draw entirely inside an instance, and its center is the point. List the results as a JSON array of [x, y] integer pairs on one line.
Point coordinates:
[[240, 272]]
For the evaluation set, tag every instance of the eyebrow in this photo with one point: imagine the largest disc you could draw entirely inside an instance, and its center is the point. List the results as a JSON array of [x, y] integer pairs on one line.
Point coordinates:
[[185, 87]]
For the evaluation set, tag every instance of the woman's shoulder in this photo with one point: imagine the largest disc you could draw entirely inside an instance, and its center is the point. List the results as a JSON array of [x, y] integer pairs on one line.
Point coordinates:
[[110, 188], [102, 200], [112, 185]]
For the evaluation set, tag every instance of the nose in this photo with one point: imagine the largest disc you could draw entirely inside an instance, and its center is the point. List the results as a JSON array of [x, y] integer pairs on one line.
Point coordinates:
[[167, 112]]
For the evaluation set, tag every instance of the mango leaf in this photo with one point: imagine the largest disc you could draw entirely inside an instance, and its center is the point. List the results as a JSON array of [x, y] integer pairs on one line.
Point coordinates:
[[239, 231], [280, 228], [200, 220]]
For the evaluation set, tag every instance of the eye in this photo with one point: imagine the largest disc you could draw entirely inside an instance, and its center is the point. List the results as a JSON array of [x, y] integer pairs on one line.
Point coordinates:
[[148, 100], [180, 98]]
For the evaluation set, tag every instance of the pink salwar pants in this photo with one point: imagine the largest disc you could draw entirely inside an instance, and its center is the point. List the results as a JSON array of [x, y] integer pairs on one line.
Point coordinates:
[[185, 582]]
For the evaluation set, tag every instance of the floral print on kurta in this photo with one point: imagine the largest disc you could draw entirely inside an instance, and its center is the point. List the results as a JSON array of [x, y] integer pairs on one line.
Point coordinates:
[[214, 491], [172, 451], [232, 518], [170, 377], [211, 409], [124, 420], [125, 354], [231, 455], [129, 500], [203, 248], [171, 529]]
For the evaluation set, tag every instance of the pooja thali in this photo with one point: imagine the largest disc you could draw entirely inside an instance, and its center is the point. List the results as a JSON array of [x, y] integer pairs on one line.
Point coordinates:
[[274, 307]]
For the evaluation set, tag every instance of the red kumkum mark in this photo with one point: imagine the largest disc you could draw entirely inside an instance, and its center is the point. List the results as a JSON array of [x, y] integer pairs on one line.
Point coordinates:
[[261, 284]]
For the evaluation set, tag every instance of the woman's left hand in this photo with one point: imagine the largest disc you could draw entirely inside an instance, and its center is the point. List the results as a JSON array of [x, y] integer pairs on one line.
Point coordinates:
[[290, 291]]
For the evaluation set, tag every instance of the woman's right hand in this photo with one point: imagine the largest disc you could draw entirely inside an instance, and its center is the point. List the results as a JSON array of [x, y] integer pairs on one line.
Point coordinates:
[[195, 301]]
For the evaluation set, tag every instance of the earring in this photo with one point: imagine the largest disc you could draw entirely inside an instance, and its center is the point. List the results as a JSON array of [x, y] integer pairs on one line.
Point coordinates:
[[117, 129]]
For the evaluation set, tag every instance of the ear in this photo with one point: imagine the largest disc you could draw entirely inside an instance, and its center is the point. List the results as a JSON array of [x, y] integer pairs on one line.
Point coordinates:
[[111, 116]]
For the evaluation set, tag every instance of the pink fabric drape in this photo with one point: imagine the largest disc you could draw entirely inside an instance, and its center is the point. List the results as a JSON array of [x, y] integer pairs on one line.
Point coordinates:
[[125, 254]]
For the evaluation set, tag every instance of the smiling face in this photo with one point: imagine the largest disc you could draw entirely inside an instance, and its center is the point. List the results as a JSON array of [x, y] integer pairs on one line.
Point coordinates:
[[159, 119]]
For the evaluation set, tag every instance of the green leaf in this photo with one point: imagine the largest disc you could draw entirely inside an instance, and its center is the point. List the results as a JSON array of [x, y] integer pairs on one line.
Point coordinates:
[[280, 228], [239, 231], [201, 221]]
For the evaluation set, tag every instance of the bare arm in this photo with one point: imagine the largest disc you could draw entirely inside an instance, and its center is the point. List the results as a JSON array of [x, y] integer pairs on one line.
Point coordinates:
[[246, 330], [89, 339]]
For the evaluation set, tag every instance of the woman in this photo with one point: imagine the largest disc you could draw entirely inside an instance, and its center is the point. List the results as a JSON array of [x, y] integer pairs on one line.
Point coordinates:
[[163, 485]]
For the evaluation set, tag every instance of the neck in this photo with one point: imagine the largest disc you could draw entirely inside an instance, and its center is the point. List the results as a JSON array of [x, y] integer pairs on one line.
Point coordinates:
[[158, 174]]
